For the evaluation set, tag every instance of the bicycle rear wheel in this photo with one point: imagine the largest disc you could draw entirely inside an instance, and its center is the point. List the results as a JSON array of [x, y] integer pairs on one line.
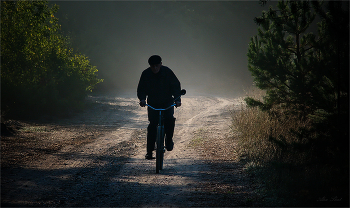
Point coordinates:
[[160, 148]]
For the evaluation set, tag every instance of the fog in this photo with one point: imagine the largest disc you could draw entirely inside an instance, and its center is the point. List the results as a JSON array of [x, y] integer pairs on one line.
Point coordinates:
[[204, 42]]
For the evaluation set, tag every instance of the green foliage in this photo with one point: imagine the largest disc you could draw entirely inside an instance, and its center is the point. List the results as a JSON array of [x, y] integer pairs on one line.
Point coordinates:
[[40, 73], [303, 73], [300, 70], [280, 59]]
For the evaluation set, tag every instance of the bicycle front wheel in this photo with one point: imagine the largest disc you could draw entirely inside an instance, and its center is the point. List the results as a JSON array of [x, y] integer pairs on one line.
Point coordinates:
[[160, 148]]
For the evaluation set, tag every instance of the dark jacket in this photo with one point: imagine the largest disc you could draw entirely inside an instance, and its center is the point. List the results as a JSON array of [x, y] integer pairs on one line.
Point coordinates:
[[160, 89]]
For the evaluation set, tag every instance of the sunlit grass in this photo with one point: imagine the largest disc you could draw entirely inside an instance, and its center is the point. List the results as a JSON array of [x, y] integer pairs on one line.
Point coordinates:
[[31, 129], [265, 138]]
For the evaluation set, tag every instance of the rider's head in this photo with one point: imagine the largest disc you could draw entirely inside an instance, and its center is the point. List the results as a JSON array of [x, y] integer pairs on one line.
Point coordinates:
[[155, 62], [155, 59]]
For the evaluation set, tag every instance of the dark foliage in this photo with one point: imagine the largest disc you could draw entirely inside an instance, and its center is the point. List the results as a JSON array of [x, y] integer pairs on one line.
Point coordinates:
[[304, 73], [40, 73]]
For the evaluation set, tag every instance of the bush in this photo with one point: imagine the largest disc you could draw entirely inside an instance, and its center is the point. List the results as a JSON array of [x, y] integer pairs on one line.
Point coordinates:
[[40, 73]]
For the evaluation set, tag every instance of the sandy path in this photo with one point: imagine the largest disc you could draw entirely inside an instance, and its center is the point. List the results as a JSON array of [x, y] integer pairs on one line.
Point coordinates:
[[109, 169], [182, 166]]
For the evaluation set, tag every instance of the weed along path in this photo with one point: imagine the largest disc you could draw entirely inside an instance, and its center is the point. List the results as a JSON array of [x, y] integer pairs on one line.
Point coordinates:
[[96, 158]]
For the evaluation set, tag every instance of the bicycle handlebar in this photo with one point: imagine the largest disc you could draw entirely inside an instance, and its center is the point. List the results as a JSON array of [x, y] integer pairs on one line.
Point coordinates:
[[161, 109], [183, 92]]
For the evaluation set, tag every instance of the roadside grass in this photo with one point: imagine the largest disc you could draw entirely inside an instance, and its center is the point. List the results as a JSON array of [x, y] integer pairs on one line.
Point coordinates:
[[33, 129], [283, 165], [198, 139]]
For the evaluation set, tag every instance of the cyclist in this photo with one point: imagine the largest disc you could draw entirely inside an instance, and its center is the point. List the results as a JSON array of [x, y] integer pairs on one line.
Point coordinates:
[[159, 85]]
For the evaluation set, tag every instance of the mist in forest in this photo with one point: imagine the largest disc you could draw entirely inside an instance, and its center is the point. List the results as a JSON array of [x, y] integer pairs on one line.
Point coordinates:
[[204, 42]]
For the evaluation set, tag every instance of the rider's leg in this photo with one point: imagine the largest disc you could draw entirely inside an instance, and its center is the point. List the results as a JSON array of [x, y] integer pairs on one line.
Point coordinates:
[[169, 126], [151, 136], [151, 132]]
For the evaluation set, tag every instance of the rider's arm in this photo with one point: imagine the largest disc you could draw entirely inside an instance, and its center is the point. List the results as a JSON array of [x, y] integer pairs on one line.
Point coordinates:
[[175, 87], [142, 87]]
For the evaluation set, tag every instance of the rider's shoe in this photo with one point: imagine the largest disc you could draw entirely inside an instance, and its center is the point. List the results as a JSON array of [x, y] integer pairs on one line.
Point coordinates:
[[169, 145], [149, 156]]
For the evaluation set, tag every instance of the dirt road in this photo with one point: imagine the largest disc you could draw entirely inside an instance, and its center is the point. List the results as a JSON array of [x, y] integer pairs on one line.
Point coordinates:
[[96, 159]]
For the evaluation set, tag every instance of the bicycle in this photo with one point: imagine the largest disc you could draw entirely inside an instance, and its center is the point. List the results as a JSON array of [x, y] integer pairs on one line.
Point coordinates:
[[160, 150]]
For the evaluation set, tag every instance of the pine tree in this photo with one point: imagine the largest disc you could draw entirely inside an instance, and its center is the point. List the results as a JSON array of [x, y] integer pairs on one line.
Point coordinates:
[[304, 73], [281, 57]]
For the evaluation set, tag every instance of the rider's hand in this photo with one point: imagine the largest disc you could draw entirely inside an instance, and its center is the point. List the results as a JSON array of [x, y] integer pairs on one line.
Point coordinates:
[[178, 103], [142, 103]]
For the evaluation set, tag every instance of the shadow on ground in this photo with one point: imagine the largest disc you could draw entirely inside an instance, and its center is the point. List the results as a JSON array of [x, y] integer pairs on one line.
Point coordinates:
[[105, 185]]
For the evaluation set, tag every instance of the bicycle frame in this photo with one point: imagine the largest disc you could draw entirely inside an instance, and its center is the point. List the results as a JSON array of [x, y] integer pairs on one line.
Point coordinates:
[[160, 138], [160, 134]]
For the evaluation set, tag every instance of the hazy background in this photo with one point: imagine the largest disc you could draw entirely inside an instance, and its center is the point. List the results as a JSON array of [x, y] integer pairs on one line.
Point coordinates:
[[204, 42]]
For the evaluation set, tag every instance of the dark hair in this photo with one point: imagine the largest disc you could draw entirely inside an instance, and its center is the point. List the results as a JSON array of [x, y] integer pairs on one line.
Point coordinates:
[[155, 59]]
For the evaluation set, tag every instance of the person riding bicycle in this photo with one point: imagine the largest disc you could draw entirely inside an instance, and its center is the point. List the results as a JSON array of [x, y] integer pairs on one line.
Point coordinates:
[[159, 85]]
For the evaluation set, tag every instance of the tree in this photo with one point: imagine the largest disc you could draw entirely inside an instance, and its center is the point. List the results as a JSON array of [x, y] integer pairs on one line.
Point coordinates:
[[298, 69], [280, 59], [302, 72], [334, 48], [332, 116], [40, 73]]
